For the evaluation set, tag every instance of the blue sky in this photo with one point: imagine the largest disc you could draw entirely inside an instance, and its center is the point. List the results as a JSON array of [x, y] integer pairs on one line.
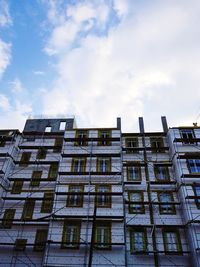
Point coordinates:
[[100, 59]]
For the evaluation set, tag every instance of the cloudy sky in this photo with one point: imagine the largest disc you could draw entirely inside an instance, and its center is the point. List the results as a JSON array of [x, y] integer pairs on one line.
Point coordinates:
[[100, 59]]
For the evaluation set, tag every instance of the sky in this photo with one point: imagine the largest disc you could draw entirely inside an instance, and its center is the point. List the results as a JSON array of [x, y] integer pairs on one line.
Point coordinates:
[[98, 60]]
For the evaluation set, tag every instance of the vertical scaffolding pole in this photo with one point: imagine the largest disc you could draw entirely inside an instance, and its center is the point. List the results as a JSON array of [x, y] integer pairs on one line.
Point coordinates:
[[141, 125]]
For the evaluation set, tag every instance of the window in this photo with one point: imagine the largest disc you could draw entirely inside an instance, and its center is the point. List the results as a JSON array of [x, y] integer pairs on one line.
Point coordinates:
[[40, 240], [193, 165], [102, 236], [103, 200], [133, 173], [161, 173], [35, 179], [82, 136], [103, 164], [166, 207], [20, 244], [48, 129], [138, 241], [28, 209], [17, 187], [130, 144], [75, 200], [53, 171], [58, 145], [2, 142], [62, 125], [42, 152], [187, 135], [196, 189], [104, 136], [47, 203], [25, 159], [138, 198], [172, 241], [8, 218], [157, 144], [71, 235], [78, 165]]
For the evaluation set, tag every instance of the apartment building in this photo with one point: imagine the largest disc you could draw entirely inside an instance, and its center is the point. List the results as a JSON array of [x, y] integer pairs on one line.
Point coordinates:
[[98, 197]]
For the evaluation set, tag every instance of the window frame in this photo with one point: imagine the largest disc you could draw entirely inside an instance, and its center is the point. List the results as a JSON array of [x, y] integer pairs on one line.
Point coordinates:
[[28, 209], [136, 210], [42, 153], [130, 144], [47, 203], [53, 171], [8, 217], [134, 244], [178, 241], [76, 235], [136, 172], [20, 244], [2, 142], [157, 144], [171, 209], [25, 158], [17, 186], [41, 237], [106, 244], [197, 201], [196, 163], [104, 134], [58, 143], [81, 167], [159, 173], [71, 198], [187, 135], [107, 198], [35, 178], [83, 136], [103, 165]]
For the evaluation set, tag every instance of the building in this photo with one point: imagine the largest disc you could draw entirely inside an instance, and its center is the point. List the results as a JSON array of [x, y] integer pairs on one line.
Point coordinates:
[[99, 197]]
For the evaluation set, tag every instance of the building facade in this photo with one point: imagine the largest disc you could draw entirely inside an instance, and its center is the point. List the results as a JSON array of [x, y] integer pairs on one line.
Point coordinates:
[[99, 197]]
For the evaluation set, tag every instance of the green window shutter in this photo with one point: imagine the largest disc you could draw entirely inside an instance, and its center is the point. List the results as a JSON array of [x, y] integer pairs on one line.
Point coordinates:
[[98, 235], [53, 171], [20, 244], [75, 235], [35, 179], [106, 236], [42, 152], [8, 218], [17, 187], [47, 203], [40, 240], [109, 165], [58, 145], [98, 165], [28, 209], [25, 158]]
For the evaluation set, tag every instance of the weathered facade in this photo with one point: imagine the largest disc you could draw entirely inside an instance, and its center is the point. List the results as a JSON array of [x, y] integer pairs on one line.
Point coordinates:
[[99, 197]]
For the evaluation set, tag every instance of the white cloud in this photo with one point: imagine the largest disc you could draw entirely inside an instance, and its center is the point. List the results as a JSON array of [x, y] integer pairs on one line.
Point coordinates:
[[4, 103], [147, 65], [16, 86], [5, 18], [71, 21], [16, 113], [121, 7], [5, 56], [38, 72]]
